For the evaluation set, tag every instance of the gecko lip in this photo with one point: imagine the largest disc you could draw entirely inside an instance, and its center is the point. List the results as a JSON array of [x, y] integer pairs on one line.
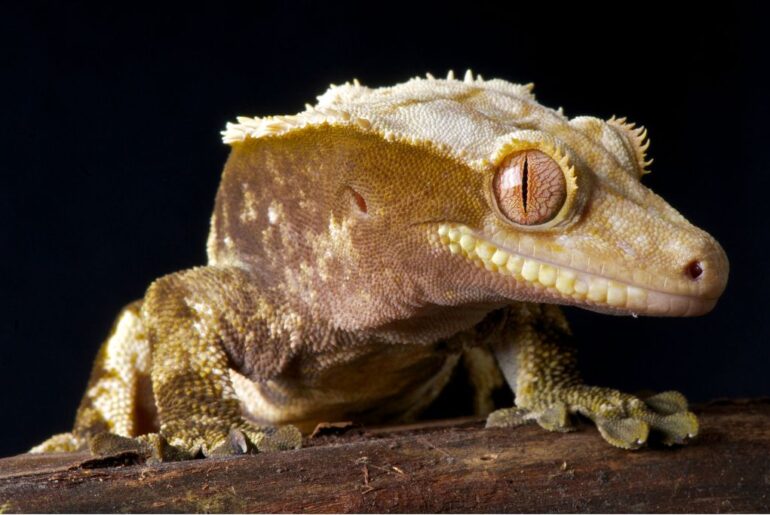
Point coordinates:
[[569, 285]]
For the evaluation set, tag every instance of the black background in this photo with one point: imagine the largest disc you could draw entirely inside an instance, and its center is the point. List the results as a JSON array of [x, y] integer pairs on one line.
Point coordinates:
[[110, 156]]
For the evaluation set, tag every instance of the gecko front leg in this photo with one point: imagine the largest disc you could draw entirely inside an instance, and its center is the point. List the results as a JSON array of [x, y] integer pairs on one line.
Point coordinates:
[[541, 368], [161, 383], [198, 321]]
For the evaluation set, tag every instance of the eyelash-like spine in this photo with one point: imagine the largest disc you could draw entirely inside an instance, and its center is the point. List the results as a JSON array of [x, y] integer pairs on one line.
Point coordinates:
[[638, 138]]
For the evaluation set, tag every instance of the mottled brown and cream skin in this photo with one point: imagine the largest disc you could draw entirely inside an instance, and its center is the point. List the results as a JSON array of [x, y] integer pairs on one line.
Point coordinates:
[[363, 248]]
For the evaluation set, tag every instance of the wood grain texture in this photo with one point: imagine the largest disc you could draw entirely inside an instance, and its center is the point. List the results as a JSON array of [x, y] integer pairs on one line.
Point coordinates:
[[453, 466]]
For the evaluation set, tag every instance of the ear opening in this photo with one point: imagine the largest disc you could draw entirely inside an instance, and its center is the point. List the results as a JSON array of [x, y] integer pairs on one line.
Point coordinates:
[[357, 200]]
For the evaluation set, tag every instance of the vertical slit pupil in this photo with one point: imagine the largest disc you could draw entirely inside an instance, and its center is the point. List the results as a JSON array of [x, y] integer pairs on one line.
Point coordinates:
[[524, 181]]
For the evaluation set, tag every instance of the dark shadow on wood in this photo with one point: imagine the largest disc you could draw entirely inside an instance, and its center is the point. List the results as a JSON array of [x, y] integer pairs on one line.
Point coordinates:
[[452, 466]]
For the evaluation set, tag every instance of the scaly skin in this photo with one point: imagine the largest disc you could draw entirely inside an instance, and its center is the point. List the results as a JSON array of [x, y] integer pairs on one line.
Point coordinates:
[[363, 248]]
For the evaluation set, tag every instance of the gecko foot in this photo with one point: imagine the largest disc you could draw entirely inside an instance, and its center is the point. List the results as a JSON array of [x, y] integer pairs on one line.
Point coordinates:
[[155, 447], [242, 438], [623, 420]]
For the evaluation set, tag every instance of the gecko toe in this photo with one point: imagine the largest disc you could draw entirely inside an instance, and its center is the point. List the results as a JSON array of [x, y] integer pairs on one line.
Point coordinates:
[[108, 444], [626, 433], [675, 429], [508, 417], [282, 438], [236, 443], [667, 403], [555, 417]]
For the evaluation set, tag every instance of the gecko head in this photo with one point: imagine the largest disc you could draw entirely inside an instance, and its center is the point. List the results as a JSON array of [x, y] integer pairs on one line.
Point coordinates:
[[566, 219], [387, 204]]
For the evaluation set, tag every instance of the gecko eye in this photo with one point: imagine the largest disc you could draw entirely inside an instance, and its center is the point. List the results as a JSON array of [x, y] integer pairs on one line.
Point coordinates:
[[529, 188]]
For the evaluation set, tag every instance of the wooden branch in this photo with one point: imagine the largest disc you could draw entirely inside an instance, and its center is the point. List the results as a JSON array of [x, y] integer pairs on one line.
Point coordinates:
[[455, 466]]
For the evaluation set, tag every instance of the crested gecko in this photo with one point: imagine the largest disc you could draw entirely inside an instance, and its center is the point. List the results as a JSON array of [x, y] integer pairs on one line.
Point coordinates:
[[362, 249]]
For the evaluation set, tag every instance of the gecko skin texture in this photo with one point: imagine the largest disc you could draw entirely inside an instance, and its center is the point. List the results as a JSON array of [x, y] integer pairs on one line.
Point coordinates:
[[364, 248]]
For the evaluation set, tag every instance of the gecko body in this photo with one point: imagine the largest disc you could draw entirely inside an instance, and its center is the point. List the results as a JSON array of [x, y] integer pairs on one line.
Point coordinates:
[[364, 248]]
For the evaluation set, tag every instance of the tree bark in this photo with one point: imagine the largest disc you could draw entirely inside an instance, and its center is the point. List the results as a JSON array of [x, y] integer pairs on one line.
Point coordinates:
[[451, 466]]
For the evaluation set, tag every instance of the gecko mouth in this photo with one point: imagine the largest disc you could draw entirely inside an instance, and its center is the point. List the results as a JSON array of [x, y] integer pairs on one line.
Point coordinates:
[[568, 285]]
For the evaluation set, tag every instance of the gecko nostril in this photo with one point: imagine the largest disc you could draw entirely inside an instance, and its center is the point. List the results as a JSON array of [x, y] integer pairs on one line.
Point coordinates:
[[694, 269]]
